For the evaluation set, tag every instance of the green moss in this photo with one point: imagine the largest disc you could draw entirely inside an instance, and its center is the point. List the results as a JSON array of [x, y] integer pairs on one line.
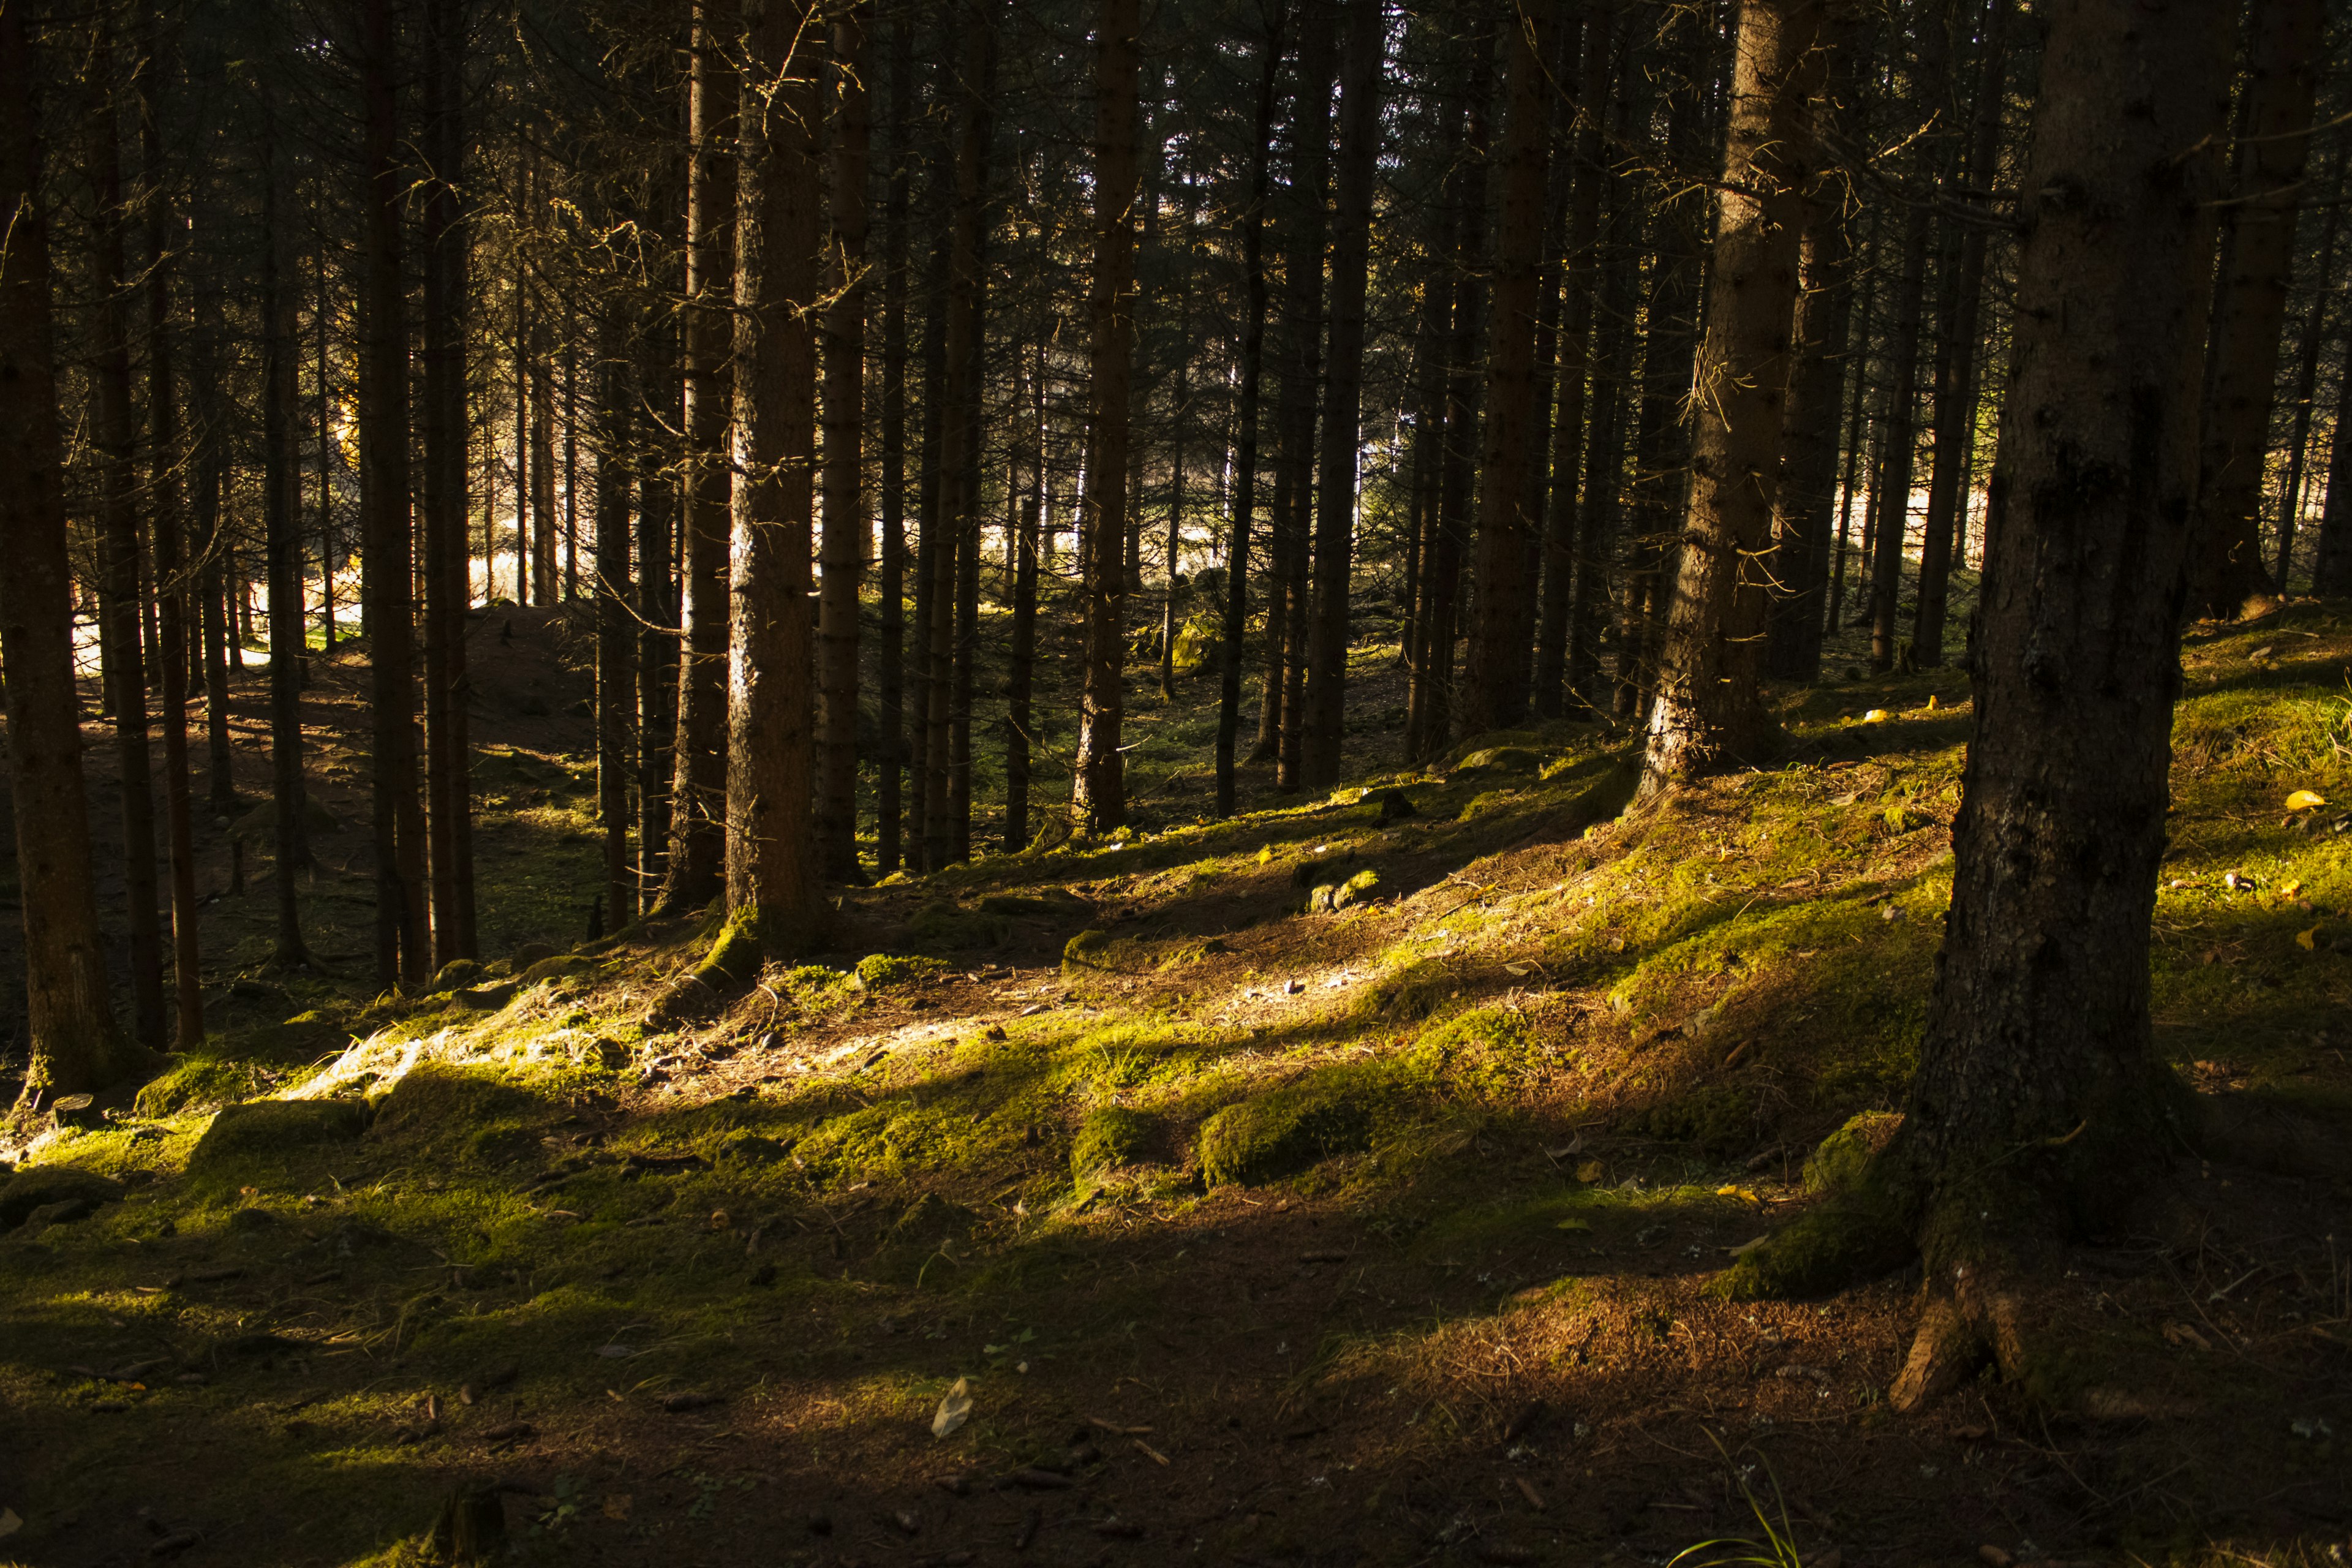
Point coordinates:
[[263, 1132], [734, 956], [1485, 1053], [435, 1106], [878, 970], [1111, 1136], [1411, 993], [1283, 1132], [1838, 1164], [564, 965], [1050, 902], [948, 925], [1848, 1239]]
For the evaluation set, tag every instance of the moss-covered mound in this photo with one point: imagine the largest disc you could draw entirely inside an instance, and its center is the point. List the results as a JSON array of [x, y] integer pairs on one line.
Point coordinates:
[[1112, 1136], [1283, 1132], [264, 1132]]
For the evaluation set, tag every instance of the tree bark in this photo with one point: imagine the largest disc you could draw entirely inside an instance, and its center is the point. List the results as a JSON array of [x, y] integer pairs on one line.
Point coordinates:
[[1941, 538], [889, 763], [1495, 690], [657, 618], [1100, 796], [1324, 723], [696, 867], [2307, 378], [448, 577], [1245, 418], [2331, 569], [76, 1047], [122, 600], [615, 676], [2284, 55], [1023, 655], [1709, 712], [2041, 1106], [773, 863], [846, 531], [281, 523]]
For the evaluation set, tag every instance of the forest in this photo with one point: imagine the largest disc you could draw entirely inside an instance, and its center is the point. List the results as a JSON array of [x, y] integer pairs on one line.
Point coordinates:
[[1347, 783]]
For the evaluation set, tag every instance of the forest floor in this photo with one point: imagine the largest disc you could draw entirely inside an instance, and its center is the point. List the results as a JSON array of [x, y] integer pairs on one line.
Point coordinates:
[[1326, 1186]]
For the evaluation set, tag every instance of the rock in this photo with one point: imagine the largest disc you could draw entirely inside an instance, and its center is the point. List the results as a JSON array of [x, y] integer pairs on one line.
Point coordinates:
[[266, 1127], [40, 1186], [457, 972], [1395, 805], [62, 1213], [558, 967]]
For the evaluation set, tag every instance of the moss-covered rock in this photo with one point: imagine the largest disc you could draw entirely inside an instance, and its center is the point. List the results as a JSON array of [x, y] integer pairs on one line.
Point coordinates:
[[456, 973], [1838, 1164], [265, 1130], [947, 925], [733, 959], [1501, 760], [877, 970], [433, 1104], [1111, 1136], [35, 1187], [1281, 1133], [562, 966], [1718, 1117], [1851, 1238]]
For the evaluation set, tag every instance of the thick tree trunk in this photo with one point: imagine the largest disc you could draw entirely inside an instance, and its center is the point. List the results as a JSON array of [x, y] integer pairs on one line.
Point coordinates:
[[1099, 800], [2039, 1107], [69, 1021], [1942, 540], [699, 790], [772, 862], [891, 674], [2284, 55], [845, 533], [1245, 418], [1709, 712], [1325, 720], [1495, 690], [121, 601]]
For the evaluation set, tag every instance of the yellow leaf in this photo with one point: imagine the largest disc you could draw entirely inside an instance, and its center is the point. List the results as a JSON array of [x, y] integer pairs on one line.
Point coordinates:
[[2308, 940], [2291, 890], [2306, 800], [1266, 854], [1931, 701], [1738, 1191], [1573, 1224], [1873, 716]]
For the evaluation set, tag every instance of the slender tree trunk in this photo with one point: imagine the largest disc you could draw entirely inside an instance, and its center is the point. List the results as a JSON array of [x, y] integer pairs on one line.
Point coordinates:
[[1100, 796], [1955, 365], [772, 862], [1179, 421], [891, 674], [115, 433], [171, 577], [1799, 562], [280, 511], [2284, 55], [448, 586], [1429, 435], [657, 619], [1253, 365], [212, 591], [1857, 432], [319, 313], [2040, 1100], [522, 461], [698, 792], [2307, 375], [1456, 493], [957, 513], [544, 573], [2331, 570], [403, 951], [1495, 690], [1325, 720], [1575, 367], [70, 1020], [1709, 712], [1023, 651], [615, 677], [847, 537], [1278, 737], [928, 489]]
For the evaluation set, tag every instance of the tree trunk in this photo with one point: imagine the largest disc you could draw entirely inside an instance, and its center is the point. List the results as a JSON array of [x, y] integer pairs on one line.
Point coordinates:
[[1023, 651], [171, 577], [2331, 570], [1324, 723], [2307, 375], [1495, 692], [281, 522], [698, 791], [115, 435], [70, 1020], [956, 518], [1956, 364], [1278, 737], [1100, 796], [449, 578], [1178, 427], [1856, 438], [1808, 490], [1252, 370], [2041, 1106], [212, 590], [2284, 55], [1709, 712], [615, 677], [657, 619], [889, 763], [845, 536], [1576, 367], [403, 952], [773, 863]]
